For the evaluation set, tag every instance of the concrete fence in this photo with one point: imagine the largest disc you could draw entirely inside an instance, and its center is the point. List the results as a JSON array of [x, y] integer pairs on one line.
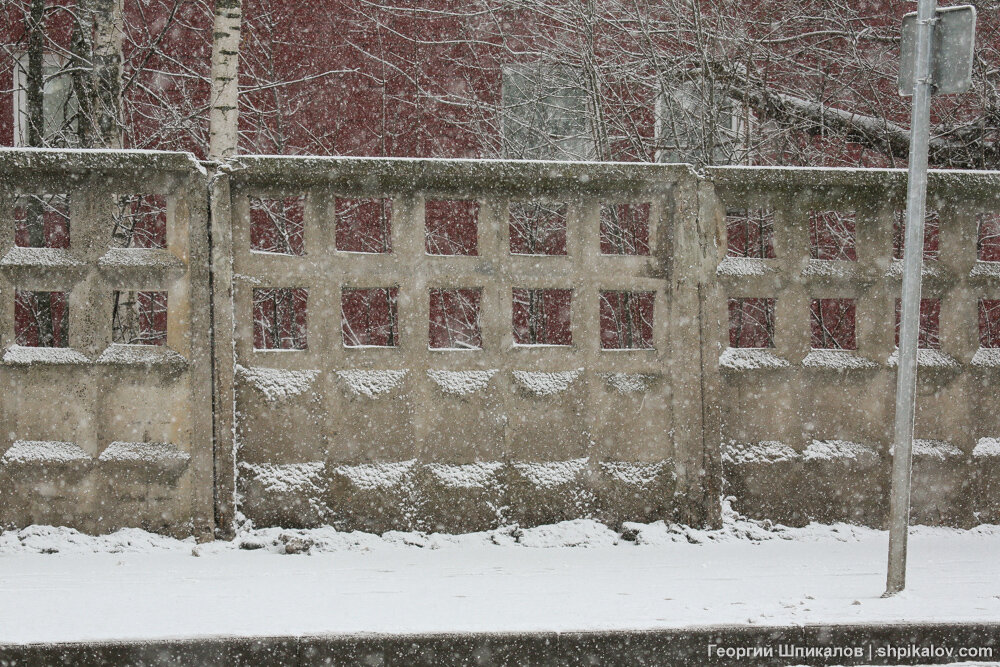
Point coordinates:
[[468, 432], [454, 345], [820, 420], [96, 434]]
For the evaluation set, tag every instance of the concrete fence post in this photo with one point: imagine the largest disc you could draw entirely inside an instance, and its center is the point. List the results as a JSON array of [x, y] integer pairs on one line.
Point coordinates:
[[192, 205], [694, 321], [223, 359]]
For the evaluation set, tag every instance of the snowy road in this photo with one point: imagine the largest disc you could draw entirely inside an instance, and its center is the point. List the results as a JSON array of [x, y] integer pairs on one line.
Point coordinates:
[[469, 584]]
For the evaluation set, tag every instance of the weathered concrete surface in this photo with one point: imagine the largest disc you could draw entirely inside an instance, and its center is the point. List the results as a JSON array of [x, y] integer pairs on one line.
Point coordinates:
[[456, 498], [551, 433], [796, 401], [99, 435], [694, 399], [616, 435], [680, 648], [956, 491]]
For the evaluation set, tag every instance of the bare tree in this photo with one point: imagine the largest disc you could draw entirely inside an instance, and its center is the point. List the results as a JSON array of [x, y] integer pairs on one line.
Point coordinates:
[[35, 82], [224, 117], [455, 319], [724, 81], [777, 83], [105, 70]]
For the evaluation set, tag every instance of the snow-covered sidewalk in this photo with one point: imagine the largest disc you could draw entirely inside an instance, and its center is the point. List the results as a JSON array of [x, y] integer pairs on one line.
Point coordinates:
[[572, 576]]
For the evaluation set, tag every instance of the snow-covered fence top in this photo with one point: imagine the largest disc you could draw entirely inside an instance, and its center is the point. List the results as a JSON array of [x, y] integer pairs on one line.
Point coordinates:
[[104, 329]]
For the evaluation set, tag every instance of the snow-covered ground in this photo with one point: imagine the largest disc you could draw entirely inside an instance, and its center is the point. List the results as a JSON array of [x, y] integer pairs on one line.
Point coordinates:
[[59, 585]]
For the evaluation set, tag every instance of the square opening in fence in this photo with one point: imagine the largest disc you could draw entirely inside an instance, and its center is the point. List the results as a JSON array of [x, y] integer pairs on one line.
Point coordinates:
[[139, 318], [278, 225], [537, 228], [625, 229], [750, 233], [279, 318], [369, 317], [626, 320], [41, 319], [751, 322], [542, 316], [455, 319], [140, 221], [451, 226], [832, 236], [364, 225], [42, 221], [989, 323], [988, 238], [832, 324], [932, 235], [929, 336]]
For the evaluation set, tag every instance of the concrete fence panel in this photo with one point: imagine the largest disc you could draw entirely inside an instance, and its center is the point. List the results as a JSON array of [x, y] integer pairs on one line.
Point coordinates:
[[813, 405], [460, 418], [104, 324]]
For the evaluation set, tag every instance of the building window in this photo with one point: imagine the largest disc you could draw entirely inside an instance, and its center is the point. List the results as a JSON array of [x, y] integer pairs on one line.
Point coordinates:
[[59, 104], [546, 113], [698, 124]]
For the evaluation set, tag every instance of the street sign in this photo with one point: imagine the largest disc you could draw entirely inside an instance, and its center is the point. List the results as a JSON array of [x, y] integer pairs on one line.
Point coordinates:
[[951, 60]]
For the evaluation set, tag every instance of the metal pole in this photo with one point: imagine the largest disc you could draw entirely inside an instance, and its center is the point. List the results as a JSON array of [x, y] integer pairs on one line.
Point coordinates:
[[913, 255]]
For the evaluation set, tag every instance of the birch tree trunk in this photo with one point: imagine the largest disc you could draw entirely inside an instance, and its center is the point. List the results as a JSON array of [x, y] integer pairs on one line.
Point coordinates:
[[35, 136], [223, 124], [96, 58], [107, 71], [35, 79], [81, 49]]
